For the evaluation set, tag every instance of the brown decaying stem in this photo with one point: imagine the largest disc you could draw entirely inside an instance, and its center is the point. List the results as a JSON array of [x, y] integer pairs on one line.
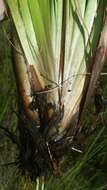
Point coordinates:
[[97, 64], [22, 81]]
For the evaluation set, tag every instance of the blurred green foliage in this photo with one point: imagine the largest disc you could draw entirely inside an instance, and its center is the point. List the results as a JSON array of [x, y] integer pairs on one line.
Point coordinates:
[[7, 105]]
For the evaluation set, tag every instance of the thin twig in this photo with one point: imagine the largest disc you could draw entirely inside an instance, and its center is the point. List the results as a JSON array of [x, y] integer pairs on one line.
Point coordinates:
[[61, 85], [7, 37]]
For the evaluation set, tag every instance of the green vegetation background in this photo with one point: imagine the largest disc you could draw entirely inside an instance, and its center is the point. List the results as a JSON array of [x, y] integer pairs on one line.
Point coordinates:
[[86, 171]]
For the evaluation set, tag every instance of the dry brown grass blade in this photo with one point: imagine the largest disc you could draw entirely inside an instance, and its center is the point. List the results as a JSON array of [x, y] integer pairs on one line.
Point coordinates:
[[97, 64], [62, 51], [98, 61]]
